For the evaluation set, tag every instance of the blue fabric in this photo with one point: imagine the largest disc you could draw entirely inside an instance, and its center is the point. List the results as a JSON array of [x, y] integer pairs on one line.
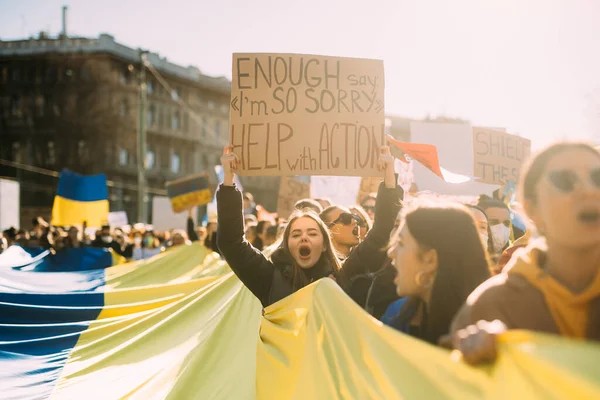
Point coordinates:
[[393, 312], [25, 318], [77, 187]]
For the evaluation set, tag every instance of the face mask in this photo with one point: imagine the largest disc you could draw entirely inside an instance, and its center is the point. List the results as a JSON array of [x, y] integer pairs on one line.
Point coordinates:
[[107, 239], [500, 236], [149, 241], [137, 241], [485, 239]]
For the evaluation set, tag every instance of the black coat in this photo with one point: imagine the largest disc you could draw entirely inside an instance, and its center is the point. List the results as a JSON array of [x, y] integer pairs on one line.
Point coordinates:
[[271, 279]]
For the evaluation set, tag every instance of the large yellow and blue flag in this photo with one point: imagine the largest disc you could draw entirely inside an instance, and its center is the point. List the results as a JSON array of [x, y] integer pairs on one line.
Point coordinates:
[[80, 198], [182, 326]]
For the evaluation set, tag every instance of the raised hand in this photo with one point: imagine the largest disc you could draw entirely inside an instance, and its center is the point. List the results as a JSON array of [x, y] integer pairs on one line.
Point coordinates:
[[230, 162]]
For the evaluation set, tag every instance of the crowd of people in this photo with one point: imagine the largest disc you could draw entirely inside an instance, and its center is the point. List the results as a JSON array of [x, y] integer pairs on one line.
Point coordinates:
[[452, 274], [133, 243], [455, 275]]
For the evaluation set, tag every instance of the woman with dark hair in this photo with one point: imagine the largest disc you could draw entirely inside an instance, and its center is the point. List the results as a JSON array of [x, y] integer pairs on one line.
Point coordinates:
[[440, 259], [261, 234], [498, 215], [364, 223], [306, 253], [553, 285]]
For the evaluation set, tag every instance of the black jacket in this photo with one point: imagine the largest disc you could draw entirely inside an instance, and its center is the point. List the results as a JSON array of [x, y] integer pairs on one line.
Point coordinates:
[[271, 280]]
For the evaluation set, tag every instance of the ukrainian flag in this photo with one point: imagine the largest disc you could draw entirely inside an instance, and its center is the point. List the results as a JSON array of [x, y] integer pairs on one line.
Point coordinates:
[[80, 198], [182, 326], [189, 192]]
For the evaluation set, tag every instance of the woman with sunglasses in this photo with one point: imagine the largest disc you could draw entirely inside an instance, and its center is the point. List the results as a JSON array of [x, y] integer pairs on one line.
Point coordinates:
[[306, 253], [553, 285], [364, 221]]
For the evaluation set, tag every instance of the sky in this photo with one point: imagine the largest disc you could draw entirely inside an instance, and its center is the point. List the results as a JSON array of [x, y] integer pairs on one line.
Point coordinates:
[[530, 66]]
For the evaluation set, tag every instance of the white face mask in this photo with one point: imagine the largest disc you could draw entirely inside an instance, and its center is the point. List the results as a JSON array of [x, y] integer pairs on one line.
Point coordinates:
[[485, 239], [107, 239], [500, 236]]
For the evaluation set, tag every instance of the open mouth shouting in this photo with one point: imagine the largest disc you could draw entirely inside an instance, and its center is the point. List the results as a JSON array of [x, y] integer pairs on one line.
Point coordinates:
[[304, 252], [589, 217]]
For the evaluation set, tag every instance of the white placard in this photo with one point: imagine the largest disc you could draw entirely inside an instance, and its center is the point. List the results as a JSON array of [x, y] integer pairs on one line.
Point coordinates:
[[10, 204], [163, 217], [117, 219]]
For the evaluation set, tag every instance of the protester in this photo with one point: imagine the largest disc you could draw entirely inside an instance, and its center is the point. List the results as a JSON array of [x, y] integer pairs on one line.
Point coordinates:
[[306, 252], [324, 203], [3, 243], [553, 285], [483, 227], [105, 240], [440, 259], [179, 238], [73, 241], [261, 234], [309, 204], [145, 245], [498, 215], [368, 204], [344, 229], [364, 223], [271, 235], [249, 205]]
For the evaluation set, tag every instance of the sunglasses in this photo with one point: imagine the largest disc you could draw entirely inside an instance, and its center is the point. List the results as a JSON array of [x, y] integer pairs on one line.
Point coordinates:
[[565, 180], [345, 219]]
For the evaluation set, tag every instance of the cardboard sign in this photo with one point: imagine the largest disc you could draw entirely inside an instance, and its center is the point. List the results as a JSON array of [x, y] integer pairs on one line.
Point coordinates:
[[189, 192], [295, 114], [290, 191], [368, 186], [498, 156]]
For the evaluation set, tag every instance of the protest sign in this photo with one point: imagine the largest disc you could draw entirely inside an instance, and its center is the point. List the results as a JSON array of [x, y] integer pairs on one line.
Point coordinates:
[[295, 114], [10, 204], [498, 156], [117, 218], [164, 218], [290, 191], [189, 192], [340, 190]]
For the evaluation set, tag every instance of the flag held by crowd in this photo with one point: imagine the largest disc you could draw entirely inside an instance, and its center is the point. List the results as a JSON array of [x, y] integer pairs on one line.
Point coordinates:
[[80, 198], [189, 192]]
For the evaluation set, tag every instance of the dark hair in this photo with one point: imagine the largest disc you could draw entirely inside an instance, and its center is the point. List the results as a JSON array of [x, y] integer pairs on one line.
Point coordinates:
[[359, 211], [370, 196], [325, 214], [484, 202], [273, 231], [462, 262], [327, 261], [260, 227], [490, 243], [534, 169], [311, 204]]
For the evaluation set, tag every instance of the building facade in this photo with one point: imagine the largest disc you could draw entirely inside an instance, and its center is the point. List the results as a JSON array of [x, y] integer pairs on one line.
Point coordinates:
[[74, 103]]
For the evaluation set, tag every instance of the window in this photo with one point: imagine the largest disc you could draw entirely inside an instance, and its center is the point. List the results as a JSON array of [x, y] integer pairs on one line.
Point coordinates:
[[123, 157], [176, 120], [82, 150], [150, 116], [40, 105], [176, 94], [123, 108], [4, 74], [124, 76], [186, 121], [175, 162], [17, 154], [150, 159], [16, 75], [50, 74], [51, 153], [211, 105], [16, 105], [203, 128], [149, 87]]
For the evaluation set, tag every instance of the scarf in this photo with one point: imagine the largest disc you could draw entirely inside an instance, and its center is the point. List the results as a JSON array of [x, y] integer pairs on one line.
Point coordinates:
[[569, 310]]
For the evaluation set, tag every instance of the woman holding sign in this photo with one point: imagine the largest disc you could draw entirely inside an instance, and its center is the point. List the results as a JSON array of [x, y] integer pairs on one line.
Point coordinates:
[[306, 253]]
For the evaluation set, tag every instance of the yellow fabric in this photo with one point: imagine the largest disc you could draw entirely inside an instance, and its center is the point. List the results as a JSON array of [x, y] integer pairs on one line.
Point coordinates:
[[67, 212], [569, 310], [196, 336]]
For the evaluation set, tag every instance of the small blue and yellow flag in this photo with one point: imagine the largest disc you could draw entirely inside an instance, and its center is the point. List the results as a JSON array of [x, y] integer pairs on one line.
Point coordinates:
[[189, 192], [80, 198]]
